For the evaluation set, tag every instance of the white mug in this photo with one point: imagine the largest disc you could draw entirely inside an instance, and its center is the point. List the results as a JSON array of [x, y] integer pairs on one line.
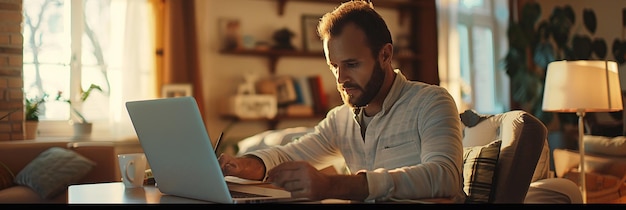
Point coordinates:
[[132, 169]]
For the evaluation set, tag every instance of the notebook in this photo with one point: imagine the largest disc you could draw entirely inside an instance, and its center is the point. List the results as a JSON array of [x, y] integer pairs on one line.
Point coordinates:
[[181, 156]]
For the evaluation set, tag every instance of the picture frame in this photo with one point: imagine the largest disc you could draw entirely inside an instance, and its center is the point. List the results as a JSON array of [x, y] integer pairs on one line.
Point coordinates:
[[176, 90], [311, 41], [285, 90], [229, 33]]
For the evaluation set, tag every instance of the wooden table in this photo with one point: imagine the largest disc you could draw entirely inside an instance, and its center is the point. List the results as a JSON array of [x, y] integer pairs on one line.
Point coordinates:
[[116, 193]]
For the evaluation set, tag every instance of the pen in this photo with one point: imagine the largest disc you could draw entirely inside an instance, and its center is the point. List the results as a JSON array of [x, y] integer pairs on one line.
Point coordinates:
[[217, 143]]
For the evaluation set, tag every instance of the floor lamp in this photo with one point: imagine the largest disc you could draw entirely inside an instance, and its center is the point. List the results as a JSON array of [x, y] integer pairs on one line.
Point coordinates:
[[579, 87]]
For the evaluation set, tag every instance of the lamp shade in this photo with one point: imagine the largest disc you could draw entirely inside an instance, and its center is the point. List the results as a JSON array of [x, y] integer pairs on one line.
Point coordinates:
[[584, 85]]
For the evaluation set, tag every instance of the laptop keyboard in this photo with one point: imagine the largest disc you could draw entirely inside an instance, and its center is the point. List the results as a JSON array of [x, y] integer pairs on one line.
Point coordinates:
[[236, 194]]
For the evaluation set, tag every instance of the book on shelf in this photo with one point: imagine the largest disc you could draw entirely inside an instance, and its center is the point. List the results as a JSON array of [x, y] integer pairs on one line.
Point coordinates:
[[299, 94], [296, 95], [305, 95], [320, 100]]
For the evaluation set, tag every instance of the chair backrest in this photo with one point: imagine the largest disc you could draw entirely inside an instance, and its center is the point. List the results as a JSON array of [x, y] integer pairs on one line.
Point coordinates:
[[524, 151]]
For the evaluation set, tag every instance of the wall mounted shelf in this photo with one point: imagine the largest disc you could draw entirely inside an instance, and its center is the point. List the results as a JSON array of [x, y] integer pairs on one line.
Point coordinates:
[[272, 123], [403, 6], [274, 55]]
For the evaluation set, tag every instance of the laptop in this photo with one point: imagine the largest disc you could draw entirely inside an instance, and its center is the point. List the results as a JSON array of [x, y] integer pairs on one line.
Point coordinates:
[[180, 154]]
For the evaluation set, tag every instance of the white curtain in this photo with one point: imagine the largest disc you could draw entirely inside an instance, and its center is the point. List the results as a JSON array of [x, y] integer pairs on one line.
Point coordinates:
[[449, 55], [462, 26], [132, 69]]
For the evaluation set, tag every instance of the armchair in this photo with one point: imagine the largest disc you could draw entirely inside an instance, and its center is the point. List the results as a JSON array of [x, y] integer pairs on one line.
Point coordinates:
[[524, 152], [522, 171]]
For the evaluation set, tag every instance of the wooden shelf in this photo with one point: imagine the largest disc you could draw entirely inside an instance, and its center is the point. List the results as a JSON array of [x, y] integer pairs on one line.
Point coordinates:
[[270, 53], [273, 122], [403, 6], [274, 55], [277, 117]]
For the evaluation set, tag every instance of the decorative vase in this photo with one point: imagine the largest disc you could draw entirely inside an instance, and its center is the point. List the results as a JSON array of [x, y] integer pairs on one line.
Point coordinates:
[[82, 130], [30, 129]]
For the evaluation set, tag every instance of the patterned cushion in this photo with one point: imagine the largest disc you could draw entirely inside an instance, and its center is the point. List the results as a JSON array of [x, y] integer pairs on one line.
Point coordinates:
[[479, 166], [6, 177], [53, 170]]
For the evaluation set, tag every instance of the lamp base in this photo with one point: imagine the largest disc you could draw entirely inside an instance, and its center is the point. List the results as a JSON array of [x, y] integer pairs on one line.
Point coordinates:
[[581, 150]]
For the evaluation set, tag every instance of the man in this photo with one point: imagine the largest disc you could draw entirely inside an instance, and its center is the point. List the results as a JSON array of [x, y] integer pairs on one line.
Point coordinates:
[[400, 139]]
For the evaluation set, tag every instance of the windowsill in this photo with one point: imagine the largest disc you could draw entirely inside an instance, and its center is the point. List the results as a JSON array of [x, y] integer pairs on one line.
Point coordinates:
[[50, 131]]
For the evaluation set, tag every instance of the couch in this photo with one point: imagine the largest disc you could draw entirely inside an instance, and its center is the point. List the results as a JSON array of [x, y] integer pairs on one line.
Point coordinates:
[[17, 155], [605, 166]]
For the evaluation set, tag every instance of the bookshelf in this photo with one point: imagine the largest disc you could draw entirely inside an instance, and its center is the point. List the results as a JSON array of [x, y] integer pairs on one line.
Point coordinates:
[[273, 56], [420, 65]]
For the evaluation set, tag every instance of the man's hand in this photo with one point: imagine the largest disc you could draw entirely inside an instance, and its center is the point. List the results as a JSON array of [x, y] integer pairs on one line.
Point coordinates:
[[229, 165], [244, 167], [301, 179]]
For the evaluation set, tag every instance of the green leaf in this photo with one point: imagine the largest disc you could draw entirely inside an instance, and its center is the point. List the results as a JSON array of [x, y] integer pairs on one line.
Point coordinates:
[[31, 107]]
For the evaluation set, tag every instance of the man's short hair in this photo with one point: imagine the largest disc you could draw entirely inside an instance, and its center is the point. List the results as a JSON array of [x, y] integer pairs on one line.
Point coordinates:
[[363, 15]]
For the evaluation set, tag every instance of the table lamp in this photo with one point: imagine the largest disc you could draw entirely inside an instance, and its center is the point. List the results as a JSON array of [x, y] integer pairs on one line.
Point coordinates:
[[582, 86]]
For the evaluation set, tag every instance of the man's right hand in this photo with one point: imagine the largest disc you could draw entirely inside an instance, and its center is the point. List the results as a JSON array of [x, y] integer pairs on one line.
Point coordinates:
[[243, 167], [229, 165]]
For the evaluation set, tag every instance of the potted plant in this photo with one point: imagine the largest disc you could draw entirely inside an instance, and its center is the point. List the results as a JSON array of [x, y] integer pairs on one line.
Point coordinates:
[[31, 112], [82, 127], [534, 43]]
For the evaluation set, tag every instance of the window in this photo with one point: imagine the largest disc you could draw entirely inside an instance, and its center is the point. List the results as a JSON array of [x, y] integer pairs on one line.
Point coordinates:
[[71, 44], [475, 36]]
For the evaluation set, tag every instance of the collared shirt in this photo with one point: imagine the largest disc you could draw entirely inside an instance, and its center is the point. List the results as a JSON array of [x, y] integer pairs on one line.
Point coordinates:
[[412, 147]]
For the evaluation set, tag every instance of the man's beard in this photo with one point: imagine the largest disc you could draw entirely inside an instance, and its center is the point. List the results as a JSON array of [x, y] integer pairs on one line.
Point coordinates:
[[369, 92]]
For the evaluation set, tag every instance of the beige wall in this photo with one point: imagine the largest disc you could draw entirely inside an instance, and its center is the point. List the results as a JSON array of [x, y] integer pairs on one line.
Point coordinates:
[[222, 73]]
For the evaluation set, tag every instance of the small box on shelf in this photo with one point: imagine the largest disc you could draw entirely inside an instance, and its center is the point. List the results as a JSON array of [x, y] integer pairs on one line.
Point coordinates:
[[250, 106]]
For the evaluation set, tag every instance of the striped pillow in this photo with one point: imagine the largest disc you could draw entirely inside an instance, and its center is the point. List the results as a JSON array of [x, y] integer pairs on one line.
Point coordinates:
[[479, 166]]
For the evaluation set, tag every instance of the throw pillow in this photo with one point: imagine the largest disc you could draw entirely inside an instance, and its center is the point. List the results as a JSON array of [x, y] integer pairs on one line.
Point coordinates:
[[6, 177], [479, 129], [603, 145], [53, 170], [479, 167]]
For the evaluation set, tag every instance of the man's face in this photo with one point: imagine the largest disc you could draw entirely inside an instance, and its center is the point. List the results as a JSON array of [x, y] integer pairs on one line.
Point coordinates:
[[359, 75]]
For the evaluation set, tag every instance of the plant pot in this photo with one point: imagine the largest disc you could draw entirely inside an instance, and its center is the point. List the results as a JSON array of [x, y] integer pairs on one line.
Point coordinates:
[[30, 129], [82, 130]]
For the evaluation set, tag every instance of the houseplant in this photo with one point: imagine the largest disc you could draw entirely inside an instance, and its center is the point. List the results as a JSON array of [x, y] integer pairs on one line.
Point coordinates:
[[82, 127], [31, 114], [534, 43]]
